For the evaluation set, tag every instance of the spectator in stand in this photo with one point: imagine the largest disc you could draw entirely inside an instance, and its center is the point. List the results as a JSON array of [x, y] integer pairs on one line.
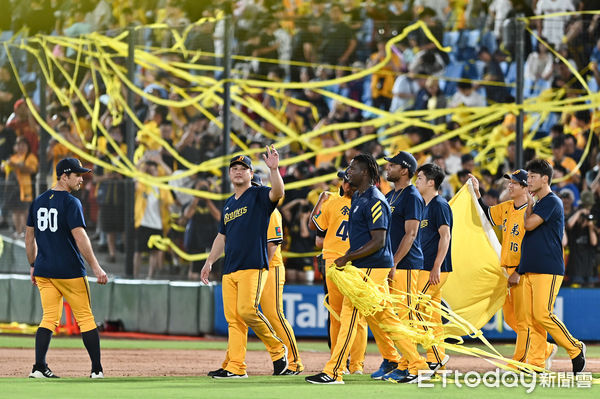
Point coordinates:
[[151, 214], [538, 70], [466, 96], [296, 214], [553, 28], [583, 239], [404, 91], [9, 91], [493, 72], [571, 149], [201, 218], [382, 81], [339, 41], [595, 62], [19, 172], [436, 100], [25, 125], [560, 185], [559, 158], [109, 197]]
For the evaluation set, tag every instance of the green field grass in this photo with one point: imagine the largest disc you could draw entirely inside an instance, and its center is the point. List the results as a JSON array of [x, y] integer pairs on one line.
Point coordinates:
[[260, 388], [256, 387]]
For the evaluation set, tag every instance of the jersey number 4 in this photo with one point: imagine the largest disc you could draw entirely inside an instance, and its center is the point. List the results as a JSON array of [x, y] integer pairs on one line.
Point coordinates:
[[342, 231], [47, 219]]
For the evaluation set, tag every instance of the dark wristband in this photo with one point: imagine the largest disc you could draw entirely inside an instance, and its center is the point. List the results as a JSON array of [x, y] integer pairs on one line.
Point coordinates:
[[32, 264]]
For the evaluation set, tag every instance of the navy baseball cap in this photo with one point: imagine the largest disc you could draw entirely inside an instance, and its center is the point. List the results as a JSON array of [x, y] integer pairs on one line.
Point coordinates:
[[256, 180], [70, 165], [242, 160], [404, 159], [519, 175], [343, 175]]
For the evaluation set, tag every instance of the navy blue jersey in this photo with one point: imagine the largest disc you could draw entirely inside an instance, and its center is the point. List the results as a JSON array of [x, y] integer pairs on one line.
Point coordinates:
[[370, 211], [244, 222], [436, 214], [406, 205], [53, 215], [541, 250]]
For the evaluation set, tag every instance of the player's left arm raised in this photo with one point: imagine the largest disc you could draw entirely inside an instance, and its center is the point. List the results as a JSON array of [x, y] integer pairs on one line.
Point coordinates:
[[272, 162]]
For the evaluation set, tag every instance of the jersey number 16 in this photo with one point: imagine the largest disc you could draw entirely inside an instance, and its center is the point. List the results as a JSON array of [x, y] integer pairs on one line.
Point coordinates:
[[47, 219]]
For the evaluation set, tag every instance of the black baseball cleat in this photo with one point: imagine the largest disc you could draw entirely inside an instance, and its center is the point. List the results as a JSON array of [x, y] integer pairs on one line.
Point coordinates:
[[39, 372], [214, 372], [224, 374], [281, 365], [322, 378], [579, 360], [290, 372], [435, 366]]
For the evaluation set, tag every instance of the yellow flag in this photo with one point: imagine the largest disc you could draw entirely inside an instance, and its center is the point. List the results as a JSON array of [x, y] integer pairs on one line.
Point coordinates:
[[476, 289]]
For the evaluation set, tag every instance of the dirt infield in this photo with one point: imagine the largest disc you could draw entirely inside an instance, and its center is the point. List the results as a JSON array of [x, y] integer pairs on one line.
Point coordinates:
[[162, 362]]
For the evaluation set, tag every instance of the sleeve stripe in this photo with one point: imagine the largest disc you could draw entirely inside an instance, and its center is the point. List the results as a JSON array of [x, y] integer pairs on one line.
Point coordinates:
[[490, 218], [317, 224], [375, 218], [375, 206], [275, 240]]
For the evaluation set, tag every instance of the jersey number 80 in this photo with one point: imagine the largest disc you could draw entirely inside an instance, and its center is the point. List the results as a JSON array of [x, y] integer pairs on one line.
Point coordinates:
[[47, 219]]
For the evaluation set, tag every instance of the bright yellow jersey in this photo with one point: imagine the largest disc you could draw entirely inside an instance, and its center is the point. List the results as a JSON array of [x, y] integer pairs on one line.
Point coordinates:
[[512, 222], [333, 218], [275, 236]]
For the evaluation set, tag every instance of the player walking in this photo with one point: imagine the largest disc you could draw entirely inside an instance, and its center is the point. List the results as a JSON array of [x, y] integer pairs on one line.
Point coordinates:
[[56, 244], [407, 211], [330, 216], [435, 234], [370, 250], [243, 237], [509, 215], [542, 267]]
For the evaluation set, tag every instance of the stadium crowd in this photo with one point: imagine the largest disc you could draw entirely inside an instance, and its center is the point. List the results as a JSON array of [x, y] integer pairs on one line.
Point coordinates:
[[324, 40]]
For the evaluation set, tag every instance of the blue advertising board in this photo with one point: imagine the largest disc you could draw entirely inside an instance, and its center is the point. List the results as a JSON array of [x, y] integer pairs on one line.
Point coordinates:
[[303, 307]]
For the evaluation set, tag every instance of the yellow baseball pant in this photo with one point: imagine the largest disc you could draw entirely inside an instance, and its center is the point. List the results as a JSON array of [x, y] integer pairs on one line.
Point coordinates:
[[539, 294], [515, 317], [76, 291], [241, 296], [348, 326], [405, 281], [359, 346], [435, 353], [271, 304]]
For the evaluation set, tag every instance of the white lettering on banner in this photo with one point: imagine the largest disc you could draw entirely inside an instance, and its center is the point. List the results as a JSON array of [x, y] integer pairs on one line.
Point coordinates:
[[304, 314], [290, 306], [493, 323]]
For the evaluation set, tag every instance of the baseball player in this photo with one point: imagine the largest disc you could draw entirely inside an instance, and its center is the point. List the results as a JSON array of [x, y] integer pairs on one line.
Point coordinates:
[[435, 234], [243, 237], [330, 216], [542, 267], [370, 250], [271, 301], [56, 244], [509, 215], [407, 207]]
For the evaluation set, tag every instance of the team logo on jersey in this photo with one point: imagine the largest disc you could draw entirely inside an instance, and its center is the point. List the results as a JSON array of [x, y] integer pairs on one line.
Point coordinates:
[[278, 231], [515, 230], [235, 214], [345, 211], [424, 223], [392, 208], [318, 214], [376, 211]]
